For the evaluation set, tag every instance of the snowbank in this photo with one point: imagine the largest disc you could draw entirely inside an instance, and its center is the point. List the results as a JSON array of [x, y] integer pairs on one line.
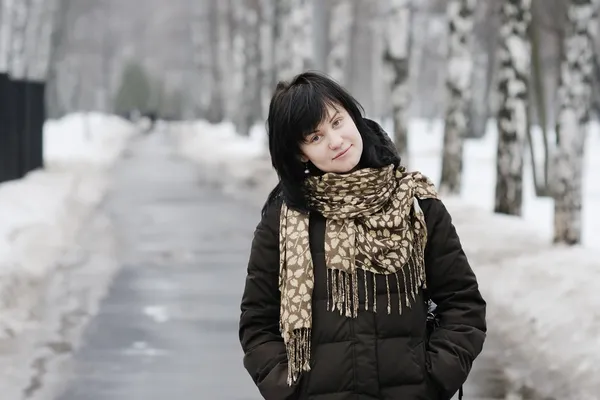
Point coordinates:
[[85, 140], [228, 159], [542, 303], [542, 300], [42, 212]]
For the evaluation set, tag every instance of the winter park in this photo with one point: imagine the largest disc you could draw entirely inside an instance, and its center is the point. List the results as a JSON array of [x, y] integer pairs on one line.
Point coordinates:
[[139, 144]]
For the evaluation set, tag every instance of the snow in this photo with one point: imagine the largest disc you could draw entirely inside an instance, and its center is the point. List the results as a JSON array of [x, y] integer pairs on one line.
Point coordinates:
[[541, 298], [222, 151], [42, 212]]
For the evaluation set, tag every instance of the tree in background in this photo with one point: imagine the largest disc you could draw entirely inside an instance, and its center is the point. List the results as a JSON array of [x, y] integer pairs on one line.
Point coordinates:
[[458, 86], [513, 90], [340, 39], [250, 28], [575, 92], [397, 49]]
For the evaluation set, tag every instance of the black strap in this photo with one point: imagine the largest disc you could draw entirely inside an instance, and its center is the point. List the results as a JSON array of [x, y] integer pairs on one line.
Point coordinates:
[[460, 393]]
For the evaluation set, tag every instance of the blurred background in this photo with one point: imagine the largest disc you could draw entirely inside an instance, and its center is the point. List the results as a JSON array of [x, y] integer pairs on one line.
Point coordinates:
[[133, 164]]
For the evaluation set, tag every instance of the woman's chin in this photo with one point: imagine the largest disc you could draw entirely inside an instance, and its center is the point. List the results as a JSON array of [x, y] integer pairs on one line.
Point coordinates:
[[344, 169]]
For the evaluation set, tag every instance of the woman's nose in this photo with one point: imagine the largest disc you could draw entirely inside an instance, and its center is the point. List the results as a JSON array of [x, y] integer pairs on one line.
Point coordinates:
[[335, 141]]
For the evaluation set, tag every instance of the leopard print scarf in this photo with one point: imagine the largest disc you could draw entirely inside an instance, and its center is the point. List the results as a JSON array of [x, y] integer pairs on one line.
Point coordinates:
[[374, 225]]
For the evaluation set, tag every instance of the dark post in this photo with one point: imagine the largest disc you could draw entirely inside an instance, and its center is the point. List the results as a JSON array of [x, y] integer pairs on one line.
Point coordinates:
[[9, 139]]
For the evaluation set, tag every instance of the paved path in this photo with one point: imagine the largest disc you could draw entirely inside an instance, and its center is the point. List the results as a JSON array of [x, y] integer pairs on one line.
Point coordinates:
[[168, 326]]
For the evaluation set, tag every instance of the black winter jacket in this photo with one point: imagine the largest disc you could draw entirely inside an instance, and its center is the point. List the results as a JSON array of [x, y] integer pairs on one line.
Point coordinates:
[[376, 355]]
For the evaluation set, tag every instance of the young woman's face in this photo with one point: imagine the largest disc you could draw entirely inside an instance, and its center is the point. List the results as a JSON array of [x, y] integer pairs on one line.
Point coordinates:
[[336, 145]]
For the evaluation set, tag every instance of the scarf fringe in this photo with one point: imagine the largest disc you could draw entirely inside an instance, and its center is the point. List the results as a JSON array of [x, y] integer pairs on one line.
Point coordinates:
[[342, 287], [298, 354]]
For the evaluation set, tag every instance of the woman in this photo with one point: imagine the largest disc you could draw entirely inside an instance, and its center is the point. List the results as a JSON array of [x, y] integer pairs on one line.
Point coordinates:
[[349, 250]]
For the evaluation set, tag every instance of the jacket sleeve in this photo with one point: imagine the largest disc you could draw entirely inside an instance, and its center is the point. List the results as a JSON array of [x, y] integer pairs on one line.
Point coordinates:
[[264, 351], [458, 340]]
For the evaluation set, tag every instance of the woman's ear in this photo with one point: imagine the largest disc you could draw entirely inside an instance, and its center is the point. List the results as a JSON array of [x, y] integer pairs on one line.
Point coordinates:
[[303, 158]]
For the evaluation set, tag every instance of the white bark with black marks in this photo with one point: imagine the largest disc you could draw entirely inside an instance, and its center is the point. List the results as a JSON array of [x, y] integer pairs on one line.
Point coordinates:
[[397, 49], [513, 87], [339, 36], [458, 86], [574, 96], [17, 58]]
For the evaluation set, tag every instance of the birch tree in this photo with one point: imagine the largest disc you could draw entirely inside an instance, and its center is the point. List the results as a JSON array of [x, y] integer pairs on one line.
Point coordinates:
[[201, 55], [302, 31], [397, 48], [251, 90], [576, 73], [216, 111], [267, 54], [339, 36], [282, 38], [293, 37], [458, 86], [513, 87], [321, 28]]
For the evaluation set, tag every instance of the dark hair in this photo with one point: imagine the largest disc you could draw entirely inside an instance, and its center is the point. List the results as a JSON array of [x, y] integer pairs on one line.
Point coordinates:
[[296, 109]]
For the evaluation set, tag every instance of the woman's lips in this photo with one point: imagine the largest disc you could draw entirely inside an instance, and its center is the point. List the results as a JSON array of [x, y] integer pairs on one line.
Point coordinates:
[[341, 154]]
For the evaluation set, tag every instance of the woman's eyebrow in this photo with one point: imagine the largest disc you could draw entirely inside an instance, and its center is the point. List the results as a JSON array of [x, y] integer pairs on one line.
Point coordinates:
[[334, 115]]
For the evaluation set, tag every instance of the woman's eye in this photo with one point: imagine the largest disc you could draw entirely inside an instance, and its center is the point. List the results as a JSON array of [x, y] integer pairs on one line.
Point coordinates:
[[315, 138], [337, 122]]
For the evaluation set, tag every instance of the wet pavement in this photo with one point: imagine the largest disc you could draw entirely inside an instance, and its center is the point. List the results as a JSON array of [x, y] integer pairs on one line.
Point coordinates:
[[168, 325]]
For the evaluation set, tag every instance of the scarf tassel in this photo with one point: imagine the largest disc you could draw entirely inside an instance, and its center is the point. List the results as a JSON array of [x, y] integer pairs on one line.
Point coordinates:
[[298, 354], [342, 287]]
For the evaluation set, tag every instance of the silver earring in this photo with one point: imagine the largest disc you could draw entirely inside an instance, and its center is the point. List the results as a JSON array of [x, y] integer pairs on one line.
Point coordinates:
[[306, 171]]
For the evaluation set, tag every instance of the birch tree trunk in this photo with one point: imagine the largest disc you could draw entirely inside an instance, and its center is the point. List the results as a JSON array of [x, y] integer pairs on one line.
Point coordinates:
[[216, 112], [237, 108], [513, 87], [293, 37], [458, 86], [321, 29], [574, 104], [302, 31], [397, 49], [251, 91], [201, 55], [283, 37], [267, 77], [339, 36]]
